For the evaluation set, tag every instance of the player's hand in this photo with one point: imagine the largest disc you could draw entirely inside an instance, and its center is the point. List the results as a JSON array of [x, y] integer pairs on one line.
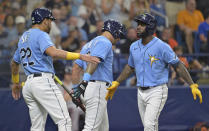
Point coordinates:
[[80, 89], [16, 88], [88, 58], [111, 90], [196, 91]]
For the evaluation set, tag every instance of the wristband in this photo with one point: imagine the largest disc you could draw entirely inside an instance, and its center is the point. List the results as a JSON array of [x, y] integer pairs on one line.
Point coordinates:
[[86, 76], [15, 78], [72, 56]]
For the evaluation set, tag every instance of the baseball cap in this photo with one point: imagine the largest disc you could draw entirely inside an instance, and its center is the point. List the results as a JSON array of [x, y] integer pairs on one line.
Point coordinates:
[[19, 20]]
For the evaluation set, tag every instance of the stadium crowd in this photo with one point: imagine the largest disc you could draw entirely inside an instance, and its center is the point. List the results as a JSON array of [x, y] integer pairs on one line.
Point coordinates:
[[183, 24]]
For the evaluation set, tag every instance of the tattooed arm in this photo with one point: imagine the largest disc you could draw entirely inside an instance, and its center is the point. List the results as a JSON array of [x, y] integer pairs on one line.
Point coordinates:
[[183, 72], [127, 71]]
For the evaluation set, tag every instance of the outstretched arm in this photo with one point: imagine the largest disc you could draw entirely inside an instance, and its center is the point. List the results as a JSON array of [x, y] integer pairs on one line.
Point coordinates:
[[183, 72], [61, 54], [127, 71]]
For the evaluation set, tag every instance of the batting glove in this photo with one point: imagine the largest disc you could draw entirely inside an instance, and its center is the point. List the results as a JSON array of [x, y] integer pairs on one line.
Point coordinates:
[[196, 91], [111, 90], [80, 89]]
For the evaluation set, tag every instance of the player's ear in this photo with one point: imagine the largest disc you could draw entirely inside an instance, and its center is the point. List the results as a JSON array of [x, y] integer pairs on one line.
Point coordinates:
[[44, 22]]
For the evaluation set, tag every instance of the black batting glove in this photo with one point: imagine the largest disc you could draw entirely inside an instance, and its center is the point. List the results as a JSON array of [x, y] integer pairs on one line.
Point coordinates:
[[80, 89]]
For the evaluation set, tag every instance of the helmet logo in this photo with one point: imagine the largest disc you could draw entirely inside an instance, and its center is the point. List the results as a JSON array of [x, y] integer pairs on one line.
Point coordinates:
[[143, 16], [108, 25]]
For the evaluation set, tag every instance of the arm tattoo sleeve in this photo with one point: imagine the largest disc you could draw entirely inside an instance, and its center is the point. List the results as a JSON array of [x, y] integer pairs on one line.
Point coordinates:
[[127, 71], [183, 72]]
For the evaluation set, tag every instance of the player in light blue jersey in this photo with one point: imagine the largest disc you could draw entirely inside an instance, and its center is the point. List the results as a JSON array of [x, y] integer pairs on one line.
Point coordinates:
[[35, 53], [150, 59], [97, 77]]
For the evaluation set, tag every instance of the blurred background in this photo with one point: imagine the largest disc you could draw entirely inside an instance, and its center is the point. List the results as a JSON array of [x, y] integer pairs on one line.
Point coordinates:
[[183, 24]]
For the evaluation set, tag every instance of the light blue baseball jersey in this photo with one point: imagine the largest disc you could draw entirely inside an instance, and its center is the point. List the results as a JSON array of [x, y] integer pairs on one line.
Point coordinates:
[[100, 47], [31, 52], [151, 62]]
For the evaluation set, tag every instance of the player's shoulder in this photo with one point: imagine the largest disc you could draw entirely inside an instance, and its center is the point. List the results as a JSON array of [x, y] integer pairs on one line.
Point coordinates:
[[160, 43], [37, 33], [102, 41], [162, 46], [135, 43]]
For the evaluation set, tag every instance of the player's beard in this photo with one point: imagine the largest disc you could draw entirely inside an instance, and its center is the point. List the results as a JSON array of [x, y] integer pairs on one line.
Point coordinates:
[[142, 35]]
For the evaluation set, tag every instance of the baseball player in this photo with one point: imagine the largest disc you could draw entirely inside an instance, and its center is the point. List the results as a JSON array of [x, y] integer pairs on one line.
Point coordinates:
[[97, 77], [149, 58], [34, 53]]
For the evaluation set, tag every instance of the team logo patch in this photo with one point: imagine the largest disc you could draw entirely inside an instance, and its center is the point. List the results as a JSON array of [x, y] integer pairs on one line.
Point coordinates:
[[152, 59]]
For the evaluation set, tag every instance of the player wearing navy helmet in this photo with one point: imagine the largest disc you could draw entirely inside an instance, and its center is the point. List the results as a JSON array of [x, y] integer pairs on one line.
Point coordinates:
[[149, 59], [97, 77], [34, 53]]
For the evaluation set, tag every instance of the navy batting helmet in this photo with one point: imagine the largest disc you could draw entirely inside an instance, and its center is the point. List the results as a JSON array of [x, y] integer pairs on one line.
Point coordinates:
[[39, 14], [115, 28], [149, 20]]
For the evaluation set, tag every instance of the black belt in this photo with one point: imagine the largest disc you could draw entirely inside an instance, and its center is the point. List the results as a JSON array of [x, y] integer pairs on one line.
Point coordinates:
[[39, 75], [107, 84], [145, 88]]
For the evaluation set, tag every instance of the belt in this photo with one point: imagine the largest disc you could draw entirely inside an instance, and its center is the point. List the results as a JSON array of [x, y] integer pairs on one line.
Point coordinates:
[[107, 84], [39, 75], [145, 88]]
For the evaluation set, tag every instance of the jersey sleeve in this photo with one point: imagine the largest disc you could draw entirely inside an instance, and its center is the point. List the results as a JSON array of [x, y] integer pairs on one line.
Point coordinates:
[[44, 42], [80, 63], [16, 57], [130, 59], [101, 49], [168, 55]]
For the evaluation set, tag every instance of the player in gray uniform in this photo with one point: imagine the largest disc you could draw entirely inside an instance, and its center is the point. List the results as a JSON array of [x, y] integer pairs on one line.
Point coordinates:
[[34, 53], [150, 59], [97, 77]]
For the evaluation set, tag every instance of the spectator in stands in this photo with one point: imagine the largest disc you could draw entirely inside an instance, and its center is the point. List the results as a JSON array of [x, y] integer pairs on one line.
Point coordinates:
[[88, 15], [99, 25], [188, 21], [75, 36], [74, 111], [113, 9], [158, 9], [3, 36], [10, 28], [203, 31], [166, 36], [2, 14], [63, 27], [172, 8], [55, 32], [125, 43], [190, 64], [20, 28], [73, 21], [138, 7], [72, 42], [75, 5]]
